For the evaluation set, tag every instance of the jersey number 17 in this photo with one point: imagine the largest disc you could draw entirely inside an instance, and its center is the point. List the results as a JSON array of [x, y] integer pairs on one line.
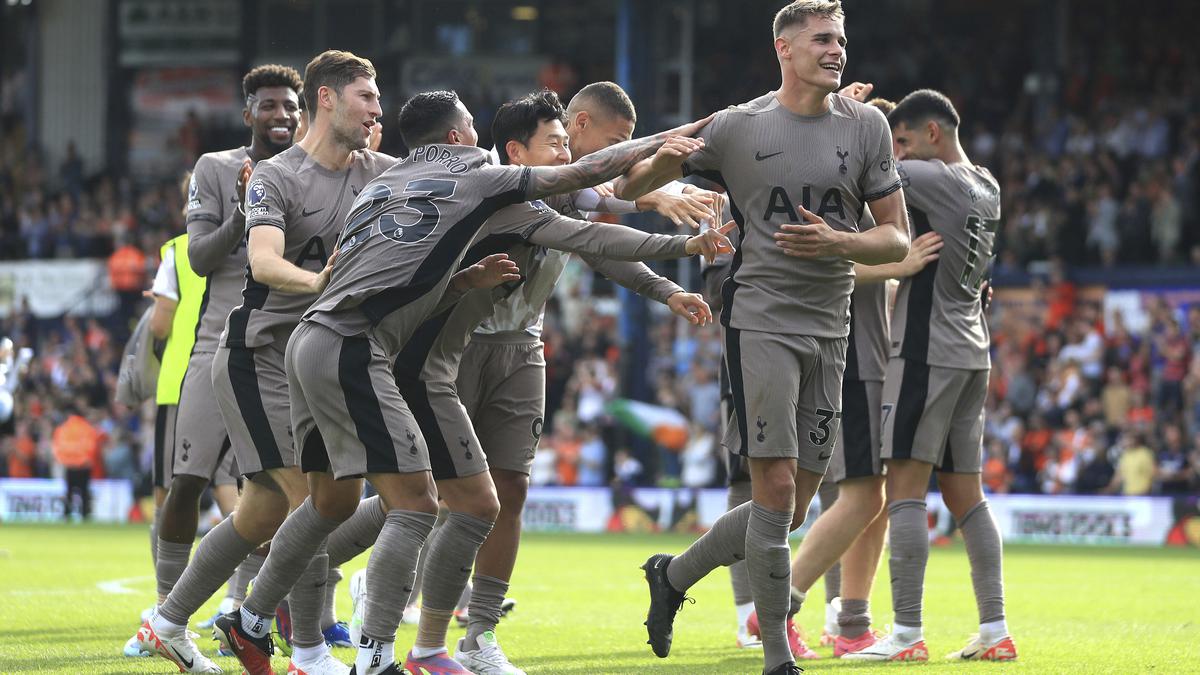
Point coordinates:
[[976, 268]]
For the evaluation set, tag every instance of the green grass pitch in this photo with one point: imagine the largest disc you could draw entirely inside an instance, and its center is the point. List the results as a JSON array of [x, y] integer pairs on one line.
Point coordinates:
[[70, 597]]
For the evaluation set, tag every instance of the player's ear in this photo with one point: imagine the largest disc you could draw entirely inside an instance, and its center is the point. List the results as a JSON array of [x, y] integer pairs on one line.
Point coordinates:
[[247, 118], [454, 137], [513, 149], [934, 130], [783, 49], [582, 118]]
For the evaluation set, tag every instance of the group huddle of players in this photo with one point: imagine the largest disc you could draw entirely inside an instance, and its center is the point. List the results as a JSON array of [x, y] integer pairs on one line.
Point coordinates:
[[372, 318]]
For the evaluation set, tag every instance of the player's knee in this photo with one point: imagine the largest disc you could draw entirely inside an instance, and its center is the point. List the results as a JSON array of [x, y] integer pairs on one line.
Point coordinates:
[[185, 492], [511, 488], [484, 505], [335, 506]]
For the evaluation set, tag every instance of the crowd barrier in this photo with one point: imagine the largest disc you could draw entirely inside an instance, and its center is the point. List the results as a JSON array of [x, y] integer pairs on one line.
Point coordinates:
[[1034, 519]]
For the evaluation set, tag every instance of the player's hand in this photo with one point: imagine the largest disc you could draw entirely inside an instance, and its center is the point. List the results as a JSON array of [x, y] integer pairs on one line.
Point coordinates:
[[988, 292], [924, 250], [712, 242], [605, 190], [492, 271], [243, 179], [321, 279], [692, 128], [674, 153], [718, 203], [857, 91], [376, 136], [813, 239], [689, 209], [691, 307]]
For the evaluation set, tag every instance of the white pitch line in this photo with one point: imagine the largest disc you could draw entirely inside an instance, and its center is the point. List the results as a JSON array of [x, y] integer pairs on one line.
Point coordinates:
[[117, 586]]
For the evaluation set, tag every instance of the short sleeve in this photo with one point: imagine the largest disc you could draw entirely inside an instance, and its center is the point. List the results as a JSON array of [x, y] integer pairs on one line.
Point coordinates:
[[708, 158], [507, 180], [204, 192], [266, 197], [166, 281], [879, 178]]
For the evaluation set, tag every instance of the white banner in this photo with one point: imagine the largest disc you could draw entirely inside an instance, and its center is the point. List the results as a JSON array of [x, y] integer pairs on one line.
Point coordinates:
[[1040, 519], [55, 287], [1053, 519], [42, 499]]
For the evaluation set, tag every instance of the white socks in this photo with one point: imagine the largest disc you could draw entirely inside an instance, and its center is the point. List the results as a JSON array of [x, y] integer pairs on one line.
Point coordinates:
[[309, 655], [426, 652], [907, 634], [374, 656], [993, 632], [744, 611]]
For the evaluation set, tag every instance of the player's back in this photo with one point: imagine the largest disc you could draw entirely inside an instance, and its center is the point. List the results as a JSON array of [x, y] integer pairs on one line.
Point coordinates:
[[772, 161], [212, 198], [939, 314], [867, 348], [406, 235], [309, 203]]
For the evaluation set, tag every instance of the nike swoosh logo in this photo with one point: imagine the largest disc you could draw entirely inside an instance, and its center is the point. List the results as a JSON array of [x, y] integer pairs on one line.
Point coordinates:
[[825, 456], [465, 570], [760, 157], [772, 575], [185, 662], [408, 589], [309, 213]]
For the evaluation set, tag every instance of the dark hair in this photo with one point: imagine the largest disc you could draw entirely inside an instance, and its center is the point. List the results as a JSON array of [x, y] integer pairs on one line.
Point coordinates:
[[608, 97], [799, 11], [271, 75], [334, 69], [427, 118], [921, 106], [518, 120]]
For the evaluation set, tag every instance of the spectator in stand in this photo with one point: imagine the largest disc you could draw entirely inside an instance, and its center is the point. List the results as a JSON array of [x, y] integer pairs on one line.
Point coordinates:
[[997, 479], [1134, 476], [1174, 472], [1095, 472], [77, 448], [127, 275], [1176, 354], [1116, 398]]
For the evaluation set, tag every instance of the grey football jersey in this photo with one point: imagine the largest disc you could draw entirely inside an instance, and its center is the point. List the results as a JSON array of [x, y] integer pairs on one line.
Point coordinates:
[[309, 203], [867, 346], [939, 315], [519, 316], [211, 202], [771, 160], [410, 229]]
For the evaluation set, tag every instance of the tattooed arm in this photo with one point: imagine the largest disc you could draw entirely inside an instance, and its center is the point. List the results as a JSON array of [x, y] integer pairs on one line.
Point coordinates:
[[603, 165]]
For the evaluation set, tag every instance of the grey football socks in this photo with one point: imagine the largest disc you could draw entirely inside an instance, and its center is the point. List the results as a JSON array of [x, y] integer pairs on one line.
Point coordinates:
[[739, 493], [217, 556], [172, 561], [854, 619], [452, 553], [245, 573], [487, 594], [297, 568], [909, 536], [358, 533], [154, 543], [723, 544], [329, 606], [828, 494], [391, 571], [768, 559], [985, 550]]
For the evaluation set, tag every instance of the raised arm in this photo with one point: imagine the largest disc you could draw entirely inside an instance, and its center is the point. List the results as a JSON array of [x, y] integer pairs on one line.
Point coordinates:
[[210, 241], [605, 164]]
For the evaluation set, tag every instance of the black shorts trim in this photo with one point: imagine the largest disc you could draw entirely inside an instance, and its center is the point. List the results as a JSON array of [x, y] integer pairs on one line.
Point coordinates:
[[416, 394], [733, 355], [914, 390], [362, 403], [160, 447], [243, 374], [856, 430], [737, 468]]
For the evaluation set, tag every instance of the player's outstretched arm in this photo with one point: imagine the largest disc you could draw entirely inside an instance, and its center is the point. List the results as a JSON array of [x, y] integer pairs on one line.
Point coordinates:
[[924, 250], [267, 264], [665, 166], [887, 242], [604, 165]]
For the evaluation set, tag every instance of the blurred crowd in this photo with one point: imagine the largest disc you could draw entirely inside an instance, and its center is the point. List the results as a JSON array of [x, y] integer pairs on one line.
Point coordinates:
[[1098, 161]]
